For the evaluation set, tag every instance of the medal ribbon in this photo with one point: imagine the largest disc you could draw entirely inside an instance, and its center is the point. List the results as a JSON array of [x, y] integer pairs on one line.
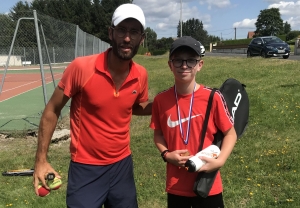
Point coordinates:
[[186, 140]]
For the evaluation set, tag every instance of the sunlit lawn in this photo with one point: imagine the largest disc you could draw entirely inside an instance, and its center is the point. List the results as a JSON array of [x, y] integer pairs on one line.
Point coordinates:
[[263, 170]]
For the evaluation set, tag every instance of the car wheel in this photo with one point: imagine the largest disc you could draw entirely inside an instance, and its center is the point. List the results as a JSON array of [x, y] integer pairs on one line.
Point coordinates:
[[263, 54], [286, 57], [249, 55]]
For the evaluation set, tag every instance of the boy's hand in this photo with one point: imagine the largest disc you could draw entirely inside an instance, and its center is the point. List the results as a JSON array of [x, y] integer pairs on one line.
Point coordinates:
[[178, 157], [211, 165]]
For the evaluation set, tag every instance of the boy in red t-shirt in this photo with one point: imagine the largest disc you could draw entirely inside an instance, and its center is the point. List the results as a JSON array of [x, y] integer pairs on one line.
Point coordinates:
[[177, 117]]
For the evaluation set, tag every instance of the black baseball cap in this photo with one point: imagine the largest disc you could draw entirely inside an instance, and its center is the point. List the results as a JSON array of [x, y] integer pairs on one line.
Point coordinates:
[[187, 41]]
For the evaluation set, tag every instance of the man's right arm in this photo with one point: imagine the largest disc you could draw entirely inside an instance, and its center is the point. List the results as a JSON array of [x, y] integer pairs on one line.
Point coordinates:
[[46, 128]]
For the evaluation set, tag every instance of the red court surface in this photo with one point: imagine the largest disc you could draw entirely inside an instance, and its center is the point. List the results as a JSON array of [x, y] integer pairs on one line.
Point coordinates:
[[16, 84]]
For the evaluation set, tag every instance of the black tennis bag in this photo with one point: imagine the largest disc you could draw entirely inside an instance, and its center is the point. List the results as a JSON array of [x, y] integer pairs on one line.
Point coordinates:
[[237, 102]]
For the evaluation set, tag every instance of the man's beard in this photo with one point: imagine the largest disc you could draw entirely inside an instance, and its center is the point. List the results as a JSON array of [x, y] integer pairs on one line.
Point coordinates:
[[121, 55]]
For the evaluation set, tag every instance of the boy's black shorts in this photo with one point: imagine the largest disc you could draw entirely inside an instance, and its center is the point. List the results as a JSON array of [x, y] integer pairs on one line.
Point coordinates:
[[215, 201]]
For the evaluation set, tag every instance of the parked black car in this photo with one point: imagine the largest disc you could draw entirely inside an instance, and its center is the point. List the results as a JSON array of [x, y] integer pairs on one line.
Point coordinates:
[[268, 46]]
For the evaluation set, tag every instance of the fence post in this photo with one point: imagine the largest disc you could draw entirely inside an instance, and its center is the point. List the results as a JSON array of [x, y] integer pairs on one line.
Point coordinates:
[[40, 56], [297, 46], [76, 41]]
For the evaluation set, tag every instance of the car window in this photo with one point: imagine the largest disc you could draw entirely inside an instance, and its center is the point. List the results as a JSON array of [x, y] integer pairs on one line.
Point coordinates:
[[277, 40], [272, 40], [257, 41], [267, 40]]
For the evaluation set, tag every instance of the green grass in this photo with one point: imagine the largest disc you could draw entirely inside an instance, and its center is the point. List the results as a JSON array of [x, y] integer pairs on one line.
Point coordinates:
[[24, 111], [262, 171]]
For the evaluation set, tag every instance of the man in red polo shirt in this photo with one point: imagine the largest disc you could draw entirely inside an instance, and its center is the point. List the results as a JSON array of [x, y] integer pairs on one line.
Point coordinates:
[[106, 89]]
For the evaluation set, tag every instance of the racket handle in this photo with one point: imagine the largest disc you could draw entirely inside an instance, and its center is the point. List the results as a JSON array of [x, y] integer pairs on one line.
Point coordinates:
[[50, 176]]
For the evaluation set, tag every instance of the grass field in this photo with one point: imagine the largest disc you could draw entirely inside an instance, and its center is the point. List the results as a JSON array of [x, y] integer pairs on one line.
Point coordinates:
[[263, 170]]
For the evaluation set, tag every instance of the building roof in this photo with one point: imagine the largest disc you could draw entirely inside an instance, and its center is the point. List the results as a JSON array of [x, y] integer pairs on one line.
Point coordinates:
[[250, 34]]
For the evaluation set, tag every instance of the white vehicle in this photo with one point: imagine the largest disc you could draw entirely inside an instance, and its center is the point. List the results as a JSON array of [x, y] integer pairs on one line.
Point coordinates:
[[202, 49]]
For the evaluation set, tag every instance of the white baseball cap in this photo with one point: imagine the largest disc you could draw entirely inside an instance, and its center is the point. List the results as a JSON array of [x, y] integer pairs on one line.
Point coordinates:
[[125, 11]]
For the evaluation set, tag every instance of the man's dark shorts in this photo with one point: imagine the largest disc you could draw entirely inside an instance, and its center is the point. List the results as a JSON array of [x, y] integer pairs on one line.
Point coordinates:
[[91, 186]]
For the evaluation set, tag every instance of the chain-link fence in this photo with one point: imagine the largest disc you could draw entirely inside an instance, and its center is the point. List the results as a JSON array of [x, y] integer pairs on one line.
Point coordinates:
[[64, 41], [30, 41]]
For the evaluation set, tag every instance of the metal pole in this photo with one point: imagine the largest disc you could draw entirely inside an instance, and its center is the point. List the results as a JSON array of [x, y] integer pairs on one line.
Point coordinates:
[[180, 18], [76, 41], [235, 33], [33, 56], [24, 55], [147, 41], [53, 52], [84, 43], [48, 56], [40, 56], [10, 51]]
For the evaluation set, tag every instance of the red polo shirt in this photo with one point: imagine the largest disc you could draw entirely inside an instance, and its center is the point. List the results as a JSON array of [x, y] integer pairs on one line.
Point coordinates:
[[99, 117]]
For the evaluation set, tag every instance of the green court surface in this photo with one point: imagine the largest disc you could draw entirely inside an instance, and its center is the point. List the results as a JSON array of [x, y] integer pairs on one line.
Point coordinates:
[[23, 112]]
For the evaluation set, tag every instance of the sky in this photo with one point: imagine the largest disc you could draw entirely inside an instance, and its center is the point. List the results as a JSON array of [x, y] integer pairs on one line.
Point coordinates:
[[227, 19]]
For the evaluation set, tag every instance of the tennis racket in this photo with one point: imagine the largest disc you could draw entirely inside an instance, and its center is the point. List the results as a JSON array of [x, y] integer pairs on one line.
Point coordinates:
[[26, 172], [18, 172]]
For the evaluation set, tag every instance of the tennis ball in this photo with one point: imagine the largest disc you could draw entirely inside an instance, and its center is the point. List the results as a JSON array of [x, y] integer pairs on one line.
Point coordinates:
[[54, 184], [43, 191]]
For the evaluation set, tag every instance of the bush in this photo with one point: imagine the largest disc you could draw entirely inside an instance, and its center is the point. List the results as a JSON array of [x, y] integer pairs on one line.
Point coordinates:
[[291, 42], [235, 42], [159, 52], [292, 35], [142, 50], [282, 37]]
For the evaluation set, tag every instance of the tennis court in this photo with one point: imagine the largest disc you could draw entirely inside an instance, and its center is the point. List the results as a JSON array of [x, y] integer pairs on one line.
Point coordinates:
[[22, 99]]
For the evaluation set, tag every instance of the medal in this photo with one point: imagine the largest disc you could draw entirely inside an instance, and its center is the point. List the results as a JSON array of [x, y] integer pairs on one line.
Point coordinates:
[[186, 154], [186, 140]]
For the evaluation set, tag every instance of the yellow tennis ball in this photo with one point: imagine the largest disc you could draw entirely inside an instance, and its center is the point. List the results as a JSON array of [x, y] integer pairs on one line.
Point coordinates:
[[54, 184]]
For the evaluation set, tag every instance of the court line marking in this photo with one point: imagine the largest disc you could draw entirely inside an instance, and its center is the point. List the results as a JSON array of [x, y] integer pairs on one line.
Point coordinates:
[[28, 83], [25, 92]]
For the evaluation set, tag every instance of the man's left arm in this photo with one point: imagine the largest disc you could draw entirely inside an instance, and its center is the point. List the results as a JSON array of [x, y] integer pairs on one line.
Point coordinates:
[[142, 109]]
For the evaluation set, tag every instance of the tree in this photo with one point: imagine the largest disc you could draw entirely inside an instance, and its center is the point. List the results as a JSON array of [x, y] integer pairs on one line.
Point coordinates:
[[7, 31], [286, 28], [213, 38], [73, 11], [93, 17], [193, 27], [292, 35], [150, 39], [164, 43], [269, 22], [20, 10], [99, 23]]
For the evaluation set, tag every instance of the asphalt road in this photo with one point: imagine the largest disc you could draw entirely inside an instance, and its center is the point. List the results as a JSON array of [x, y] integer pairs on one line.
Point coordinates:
[[292, 56]]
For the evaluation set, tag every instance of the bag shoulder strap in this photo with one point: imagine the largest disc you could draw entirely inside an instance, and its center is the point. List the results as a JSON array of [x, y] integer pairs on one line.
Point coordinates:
[[208, 108]]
